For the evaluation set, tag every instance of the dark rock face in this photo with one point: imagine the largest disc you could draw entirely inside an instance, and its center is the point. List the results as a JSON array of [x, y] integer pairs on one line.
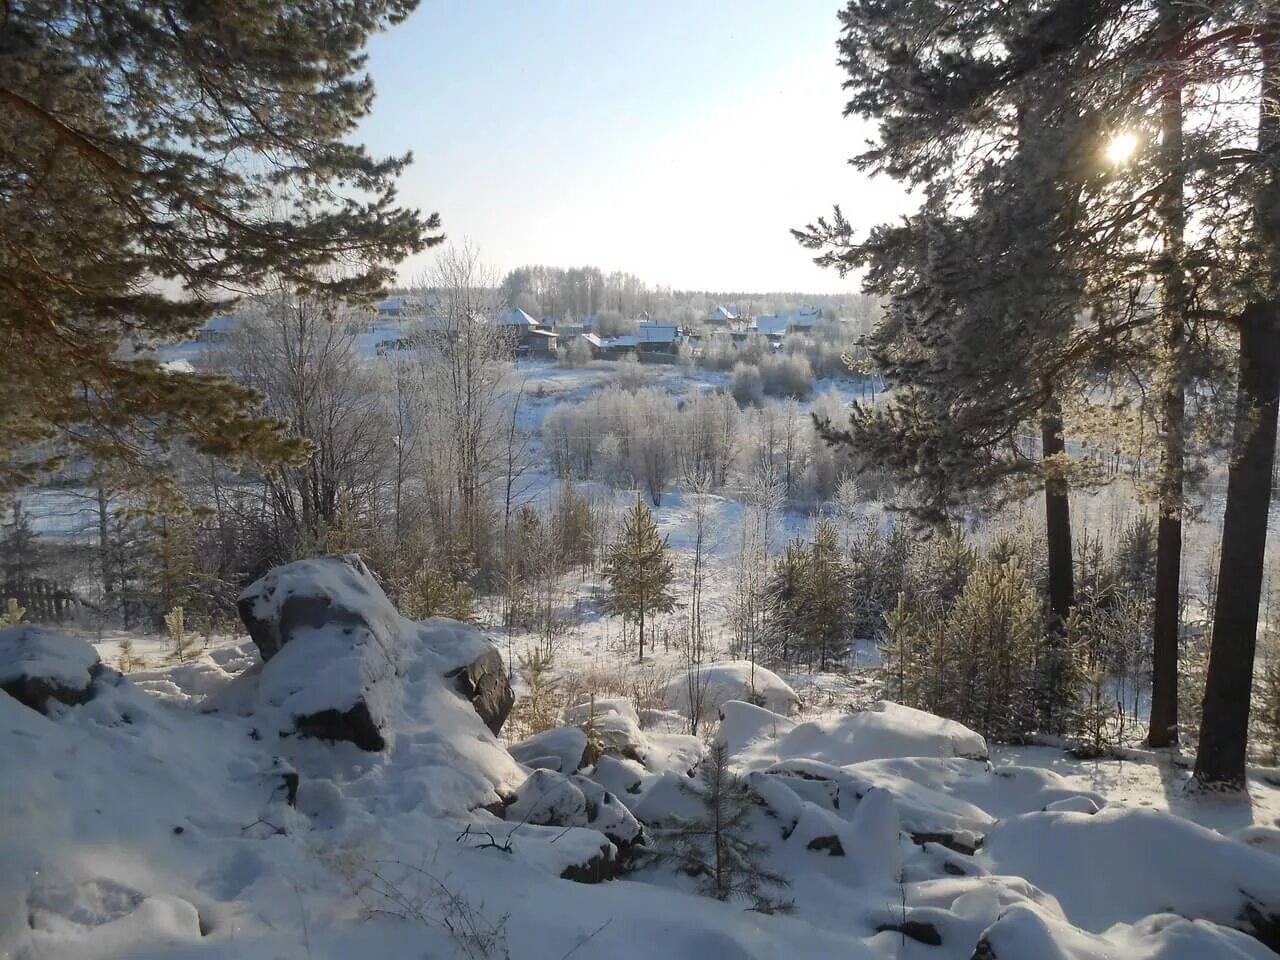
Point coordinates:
[[603, 866], [484, 682], [270, 635], [916, 930], [355, 725], [37, 692], [830, 845]]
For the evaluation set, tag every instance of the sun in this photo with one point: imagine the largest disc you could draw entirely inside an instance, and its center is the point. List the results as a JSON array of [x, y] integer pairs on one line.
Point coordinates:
[[1121, 148]]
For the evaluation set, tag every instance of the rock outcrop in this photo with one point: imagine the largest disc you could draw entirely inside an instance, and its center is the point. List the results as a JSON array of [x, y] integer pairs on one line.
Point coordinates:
[[40, 666], [335, 650]]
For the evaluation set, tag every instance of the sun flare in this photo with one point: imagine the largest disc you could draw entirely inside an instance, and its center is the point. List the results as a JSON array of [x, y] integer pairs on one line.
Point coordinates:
[[1121, 148]]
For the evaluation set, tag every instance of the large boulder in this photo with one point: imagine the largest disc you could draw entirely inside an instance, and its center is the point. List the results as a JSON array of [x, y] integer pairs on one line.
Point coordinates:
[[38, 666], [553, 799], [704, 689], [1122, 864], [560, 748], [613, 727], [334, 647], [883, 730]]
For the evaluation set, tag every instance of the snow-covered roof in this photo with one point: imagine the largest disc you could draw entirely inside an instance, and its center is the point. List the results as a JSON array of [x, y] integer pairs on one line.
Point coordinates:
[[771, 325], [721, 314], [630, 340], [658, 332], [396, 305], [545, 333], [592, 339], [784, 320], [515, 317]]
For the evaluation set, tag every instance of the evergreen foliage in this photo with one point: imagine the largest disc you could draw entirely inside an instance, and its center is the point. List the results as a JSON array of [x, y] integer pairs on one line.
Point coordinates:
[[715, 848], [639, 570], [153, 158]]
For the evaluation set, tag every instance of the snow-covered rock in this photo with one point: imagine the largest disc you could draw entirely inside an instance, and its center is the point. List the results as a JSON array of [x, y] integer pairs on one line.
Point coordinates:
[[872, 840], [334, 649], [38, 665], [751, 733], [709, 686], [1025, 932], [553, 799], [1076, 804], [1122, 864], [1266, 839], [607, 706], [615, 726], [670, 797], [618, 775], [564, 745], [883, 730]]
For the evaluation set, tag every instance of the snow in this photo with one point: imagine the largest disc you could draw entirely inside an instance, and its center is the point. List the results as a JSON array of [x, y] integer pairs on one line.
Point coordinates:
[[1120, 865], [883, 730], [563, 745], [713, 685], [152, 821], [38, 653]]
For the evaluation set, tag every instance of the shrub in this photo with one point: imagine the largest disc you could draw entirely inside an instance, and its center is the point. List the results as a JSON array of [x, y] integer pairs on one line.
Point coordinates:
[[747, 386], [784, 376]]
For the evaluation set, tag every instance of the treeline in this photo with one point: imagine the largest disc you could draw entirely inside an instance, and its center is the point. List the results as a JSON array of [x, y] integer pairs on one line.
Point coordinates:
[[617, 298]]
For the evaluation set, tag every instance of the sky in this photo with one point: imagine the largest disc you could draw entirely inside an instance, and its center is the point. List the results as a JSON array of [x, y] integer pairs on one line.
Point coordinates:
[[676, 141]]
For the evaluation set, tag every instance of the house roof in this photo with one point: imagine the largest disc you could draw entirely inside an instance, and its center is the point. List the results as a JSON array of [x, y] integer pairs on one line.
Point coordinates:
[[544, 333], [658, 332], [771, 325], [515, 317], [722, 313]]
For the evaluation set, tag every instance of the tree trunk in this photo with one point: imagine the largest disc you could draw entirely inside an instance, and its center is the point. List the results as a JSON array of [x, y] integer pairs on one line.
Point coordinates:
[[1162, 729], [642, 633], [1057, 515], [1224, 731]]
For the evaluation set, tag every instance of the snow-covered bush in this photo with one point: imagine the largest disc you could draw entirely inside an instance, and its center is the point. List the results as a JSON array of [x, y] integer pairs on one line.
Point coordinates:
[[748, 386], [631, 374], [786, 376]]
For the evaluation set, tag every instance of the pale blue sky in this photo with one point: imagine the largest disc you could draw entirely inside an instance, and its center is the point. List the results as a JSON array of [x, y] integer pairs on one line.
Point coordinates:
[[678, 141]]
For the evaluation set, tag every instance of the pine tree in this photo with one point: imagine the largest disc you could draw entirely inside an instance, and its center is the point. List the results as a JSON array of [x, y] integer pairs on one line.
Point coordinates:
[[783, 598], [639, 570], [432, 592], [22, 556], [939, 81], [168, 575], [206, 146], [826, 612], [182, 644], [1224, 727], [715, 848]]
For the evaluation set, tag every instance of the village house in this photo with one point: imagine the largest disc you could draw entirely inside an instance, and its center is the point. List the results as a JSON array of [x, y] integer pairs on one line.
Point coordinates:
[[721, 318], [529, 337]]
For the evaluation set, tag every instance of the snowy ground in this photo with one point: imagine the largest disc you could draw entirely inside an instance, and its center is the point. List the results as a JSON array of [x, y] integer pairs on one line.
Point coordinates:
[[141, 825]]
